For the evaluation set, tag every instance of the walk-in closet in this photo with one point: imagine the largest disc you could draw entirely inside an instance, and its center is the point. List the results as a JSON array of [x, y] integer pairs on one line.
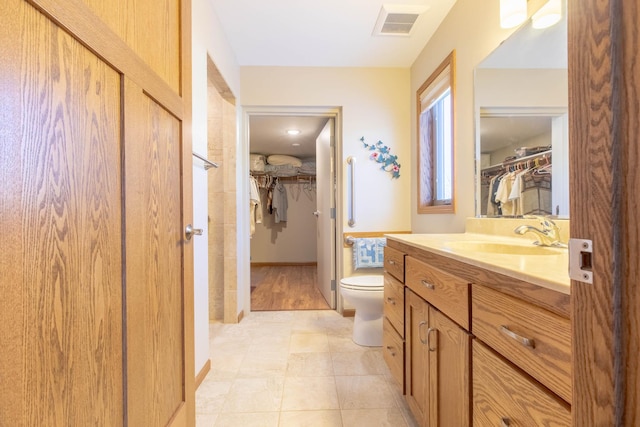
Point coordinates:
[[284, 213]]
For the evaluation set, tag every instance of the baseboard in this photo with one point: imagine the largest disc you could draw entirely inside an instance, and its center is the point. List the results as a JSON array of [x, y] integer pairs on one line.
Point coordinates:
[[348, 312], [203, 373], [240, 315], [283, 264]]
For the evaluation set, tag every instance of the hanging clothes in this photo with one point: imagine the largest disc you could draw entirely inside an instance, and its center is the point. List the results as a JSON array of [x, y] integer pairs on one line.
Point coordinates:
[[255, 206], [280, 203]]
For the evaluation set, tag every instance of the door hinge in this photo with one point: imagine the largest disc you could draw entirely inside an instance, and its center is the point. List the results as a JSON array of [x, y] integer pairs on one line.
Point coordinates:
[[333, 213], [333, 284], [581, 260]]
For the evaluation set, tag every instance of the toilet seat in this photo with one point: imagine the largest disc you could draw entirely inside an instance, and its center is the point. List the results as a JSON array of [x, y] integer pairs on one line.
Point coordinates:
[[363, 283]]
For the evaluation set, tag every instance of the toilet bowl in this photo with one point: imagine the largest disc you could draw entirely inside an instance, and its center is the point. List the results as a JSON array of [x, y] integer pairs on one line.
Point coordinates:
[[365, 294]]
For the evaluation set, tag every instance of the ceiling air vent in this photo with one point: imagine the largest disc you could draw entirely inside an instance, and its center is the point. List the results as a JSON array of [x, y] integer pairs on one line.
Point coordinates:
[[397, 20]]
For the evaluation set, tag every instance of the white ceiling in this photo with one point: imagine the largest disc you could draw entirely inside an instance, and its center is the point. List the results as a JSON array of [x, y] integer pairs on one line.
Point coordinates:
[[267, 135], [325, 33]]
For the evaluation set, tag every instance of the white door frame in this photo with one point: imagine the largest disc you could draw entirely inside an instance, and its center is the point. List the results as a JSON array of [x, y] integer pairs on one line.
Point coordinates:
[[243, 184]]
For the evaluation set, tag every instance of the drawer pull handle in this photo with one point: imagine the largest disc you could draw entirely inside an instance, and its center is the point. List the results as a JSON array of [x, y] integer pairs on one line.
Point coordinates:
[[429, 339], [420, 325], [527, 342], [392, 262], [427, 284], [505, 422], [391, 301], [390, 350]]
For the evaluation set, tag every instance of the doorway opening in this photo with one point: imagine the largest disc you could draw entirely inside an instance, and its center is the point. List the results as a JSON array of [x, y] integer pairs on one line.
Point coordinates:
[[293, 209]]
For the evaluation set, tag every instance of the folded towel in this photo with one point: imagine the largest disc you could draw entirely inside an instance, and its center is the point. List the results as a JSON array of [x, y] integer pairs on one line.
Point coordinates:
[[368, 252]]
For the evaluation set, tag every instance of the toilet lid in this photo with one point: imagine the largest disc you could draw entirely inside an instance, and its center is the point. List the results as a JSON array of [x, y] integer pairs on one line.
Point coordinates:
[[368, 283]]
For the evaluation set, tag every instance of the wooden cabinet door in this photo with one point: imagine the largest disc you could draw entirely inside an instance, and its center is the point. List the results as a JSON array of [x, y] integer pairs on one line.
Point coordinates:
[[61, 225], [154, 237], [417, 356], [449, 366]]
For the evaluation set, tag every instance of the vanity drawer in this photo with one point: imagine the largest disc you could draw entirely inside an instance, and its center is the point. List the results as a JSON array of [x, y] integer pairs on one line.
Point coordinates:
[[446, 292], [393, 352], [394, 263], [505, 396], [394, 303], [534, 339]]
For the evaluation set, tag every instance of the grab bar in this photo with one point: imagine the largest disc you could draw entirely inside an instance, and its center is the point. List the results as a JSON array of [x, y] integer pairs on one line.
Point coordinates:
[[208, 164], [352, 211], [349, 240]]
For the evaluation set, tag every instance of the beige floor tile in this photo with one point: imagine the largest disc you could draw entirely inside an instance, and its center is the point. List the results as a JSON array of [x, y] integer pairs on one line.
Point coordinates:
[[390, 417], [254, 395], [309, 393], [363, 392], [265, 363], [343, 344], [309, 365], [251, 419], [211, 395], [206, 420], [311, 419], [308, 343], [368, 362]]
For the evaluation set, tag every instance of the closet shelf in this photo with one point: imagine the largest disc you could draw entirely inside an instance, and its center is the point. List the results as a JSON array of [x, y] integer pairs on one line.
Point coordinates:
[[524, 159]]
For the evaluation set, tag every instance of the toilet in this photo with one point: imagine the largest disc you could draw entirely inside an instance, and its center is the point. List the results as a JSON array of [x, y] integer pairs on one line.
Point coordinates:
[[365, 294]]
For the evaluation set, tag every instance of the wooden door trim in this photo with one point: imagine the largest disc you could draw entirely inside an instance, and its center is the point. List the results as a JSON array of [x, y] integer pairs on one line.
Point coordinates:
[[604, 88], [79, 21], [187, 212]]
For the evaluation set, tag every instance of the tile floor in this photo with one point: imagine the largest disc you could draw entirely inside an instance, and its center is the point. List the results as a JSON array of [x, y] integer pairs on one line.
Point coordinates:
[[294, 369]]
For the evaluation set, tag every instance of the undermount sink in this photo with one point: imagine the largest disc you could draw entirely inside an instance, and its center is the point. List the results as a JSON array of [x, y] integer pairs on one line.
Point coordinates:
[[502, 248]]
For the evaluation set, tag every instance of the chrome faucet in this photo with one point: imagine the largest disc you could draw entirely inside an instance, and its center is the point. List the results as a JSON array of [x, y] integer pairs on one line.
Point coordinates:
[[548, 236]]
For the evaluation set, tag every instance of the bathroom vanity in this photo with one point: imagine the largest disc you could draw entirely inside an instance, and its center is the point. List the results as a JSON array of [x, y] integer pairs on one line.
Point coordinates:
[[477, 331]]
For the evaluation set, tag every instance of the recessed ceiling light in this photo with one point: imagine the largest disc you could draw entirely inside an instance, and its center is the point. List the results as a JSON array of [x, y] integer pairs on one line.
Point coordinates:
[[293, 131], [295, 144]]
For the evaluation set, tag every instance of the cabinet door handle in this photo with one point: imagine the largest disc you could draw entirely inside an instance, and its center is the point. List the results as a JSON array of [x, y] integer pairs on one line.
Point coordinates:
[[392, 262], [391, 301], [527, 342], [505, 422], [390, 350], [420, 325], [429, 339], [427, 284]]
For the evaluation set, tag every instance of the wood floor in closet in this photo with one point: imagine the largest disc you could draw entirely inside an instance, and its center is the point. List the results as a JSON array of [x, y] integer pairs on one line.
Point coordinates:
[[285, 288]]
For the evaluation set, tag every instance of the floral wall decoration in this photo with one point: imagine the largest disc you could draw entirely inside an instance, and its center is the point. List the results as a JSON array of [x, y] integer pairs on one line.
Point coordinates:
[[380, 153]]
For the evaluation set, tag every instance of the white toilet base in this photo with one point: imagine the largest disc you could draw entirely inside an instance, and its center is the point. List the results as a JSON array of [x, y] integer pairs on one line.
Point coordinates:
[[367, 330]]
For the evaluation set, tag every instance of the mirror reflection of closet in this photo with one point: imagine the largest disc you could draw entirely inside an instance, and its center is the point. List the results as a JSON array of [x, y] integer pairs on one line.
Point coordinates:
[[521, 108]]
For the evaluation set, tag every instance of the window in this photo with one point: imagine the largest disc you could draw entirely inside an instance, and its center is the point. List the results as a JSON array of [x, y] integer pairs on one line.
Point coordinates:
[[435, 106]]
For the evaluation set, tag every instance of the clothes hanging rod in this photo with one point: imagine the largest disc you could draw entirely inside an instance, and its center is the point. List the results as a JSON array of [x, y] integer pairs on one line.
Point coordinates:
[[208, 164], [542, 154]]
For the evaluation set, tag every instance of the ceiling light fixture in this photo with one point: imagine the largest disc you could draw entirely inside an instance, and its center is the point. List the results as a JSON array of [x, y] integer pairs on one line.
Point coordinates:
[[293, 132], [512, 13], [549, 14]]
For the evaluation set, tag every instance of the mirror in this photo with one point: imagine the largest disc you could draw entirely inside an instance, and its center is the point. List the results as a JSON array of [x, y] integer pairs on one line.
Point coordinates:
[[521, 111]]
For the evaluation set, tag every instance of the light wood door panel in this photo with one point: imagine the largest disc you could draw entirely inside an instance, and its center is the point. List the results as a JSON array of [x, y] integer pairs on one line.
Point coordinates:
[[61, 228], [154, 255], [150, 28], [417, 356], [450, 372]]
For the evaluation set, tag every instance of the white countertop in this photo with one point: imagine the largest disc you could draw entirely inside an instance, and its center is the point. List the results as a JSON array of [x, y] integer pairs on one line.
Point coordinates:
[[549, 271]]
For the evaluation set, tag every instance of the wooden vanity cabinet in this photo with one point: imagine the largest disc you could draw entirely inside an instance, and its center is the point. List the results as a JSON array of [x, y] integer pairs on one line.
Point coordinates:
[[503, 395], [521, 362], [393, 311], [437, 366]]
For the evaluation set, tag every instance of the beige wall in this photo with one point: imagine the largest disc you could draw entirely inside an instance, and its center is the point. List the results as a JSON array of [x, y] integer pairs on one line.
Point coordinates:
[[375, 104], [208, 39], [292, 241], [472, 28]]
